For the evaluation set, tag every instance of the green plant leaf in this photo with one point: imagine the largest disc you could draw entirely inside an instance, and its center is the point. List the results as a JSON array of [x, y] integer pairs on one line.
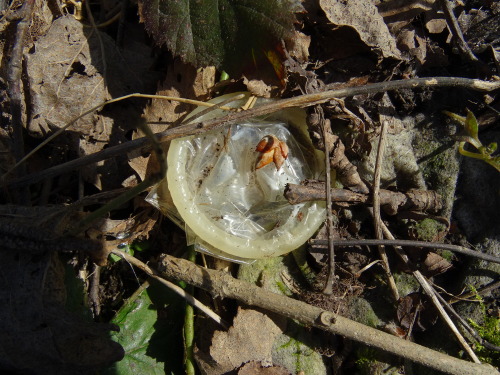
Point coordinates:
[[223, 33], [150, 333], [471, 124]]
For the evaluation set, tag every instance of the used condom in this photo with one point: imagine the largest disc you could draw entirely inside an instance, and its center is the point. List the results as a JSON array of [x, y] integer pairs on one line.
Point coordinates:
[[233, 209]]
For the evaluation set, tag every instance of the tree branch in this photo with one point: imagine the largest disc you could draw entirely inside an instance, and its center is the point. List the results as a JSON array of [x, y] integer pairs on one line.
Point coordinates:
[[223, 285]]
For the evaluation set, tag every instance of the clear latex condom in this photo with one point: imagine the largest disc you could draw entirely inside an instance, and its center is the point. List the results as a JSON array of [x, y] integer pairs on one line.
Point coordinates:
[[234, 209]]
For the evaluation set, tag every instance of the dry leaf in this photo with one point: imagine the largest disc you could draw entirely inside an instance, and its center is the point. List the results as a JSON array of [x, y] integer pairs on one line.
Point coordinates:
[[416, 303], [434, 264], [363, 17], [251, 338], [182, 81]]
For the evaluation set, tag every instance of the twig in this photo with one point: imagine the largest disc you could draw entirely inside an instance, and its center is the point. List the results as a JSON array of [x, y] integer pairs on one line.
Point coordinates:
[[488, 288], [391, 201], [138, 143], [198, 128], [14, 70], [429, 290], [428, 245], [212, 108], [328, 288], [456, 31], [178, 290], [94, 300], [224, 285], [376, 211]]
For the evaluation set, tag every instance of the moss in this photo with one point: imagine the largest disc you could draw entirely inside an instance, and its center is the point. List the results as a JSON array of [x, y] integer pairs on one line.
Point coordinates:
[[366, 357], [489, 330], [362, 312], [406, 283], [428, 229], [447, 254]]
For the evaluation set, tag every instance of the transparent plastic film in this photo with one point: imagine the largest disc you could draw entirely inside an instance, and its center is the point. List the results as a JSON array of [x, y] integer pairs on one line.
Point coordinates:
[[234, 207]]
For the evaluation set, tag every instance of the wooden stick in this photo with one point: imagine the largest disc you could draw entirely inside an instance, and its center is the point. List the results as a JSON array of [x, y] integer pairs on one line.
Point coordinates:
[[224, 285]]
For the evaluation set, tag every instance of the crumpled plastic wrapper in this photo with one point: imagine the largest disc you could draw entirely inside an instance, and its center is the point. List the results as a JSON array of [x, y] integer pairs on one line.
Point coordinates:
[[229, 208]]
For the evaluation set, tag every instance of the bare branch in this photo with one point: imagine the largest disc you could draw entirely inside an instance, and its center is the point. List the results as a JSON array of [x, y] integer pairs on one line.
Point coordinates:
[[224, 285]]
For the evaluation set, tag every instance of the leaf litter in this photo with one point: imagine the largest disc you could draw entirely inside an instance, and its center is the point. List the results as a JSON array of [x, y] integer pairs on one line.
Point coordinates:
[[325, 44]]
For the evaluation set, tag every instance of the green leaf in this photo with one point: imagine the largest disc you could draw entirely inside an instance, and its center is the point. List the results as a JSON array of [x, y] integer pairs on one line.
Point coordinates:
[[223, 33], [150, 333], [471, 124]]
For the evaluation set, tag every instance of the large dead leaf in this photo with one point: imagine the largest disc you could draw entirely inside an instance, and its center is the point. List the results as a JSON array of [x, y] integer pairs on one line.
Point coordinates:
[[251, 338], [68, 75], [362, 16], [223, 33]]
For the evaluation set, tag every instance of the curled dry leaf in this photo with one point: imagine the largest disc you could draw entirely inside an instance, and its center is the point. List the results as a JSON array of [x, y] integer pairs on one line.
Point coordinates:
[[272, 150]]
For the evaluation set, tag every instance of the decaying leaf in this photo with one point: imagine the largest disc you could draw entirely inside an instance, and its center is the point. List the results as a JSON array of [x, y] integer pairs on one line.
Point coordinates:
[[251, 337], [66, 81], [363, 17], [226, 34], [416, 303], [434, 264]]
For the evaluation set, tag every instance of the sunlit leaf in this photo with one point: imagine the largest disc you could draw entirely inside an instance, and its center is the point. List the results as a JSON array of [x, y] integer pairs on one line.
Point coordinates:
[[471, 124], [219, 32]]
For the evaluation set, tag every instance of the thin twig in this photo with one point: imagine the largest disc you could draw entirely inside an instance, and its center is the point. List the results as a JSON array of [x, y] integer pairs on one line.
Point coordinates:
[[429, 290], [198, 128], [176, 289], [488, 288], [376, 211], [328, 289], [456, 31], [224, 285], [428, 245], [134, 144], [212, 108], [466, 325]]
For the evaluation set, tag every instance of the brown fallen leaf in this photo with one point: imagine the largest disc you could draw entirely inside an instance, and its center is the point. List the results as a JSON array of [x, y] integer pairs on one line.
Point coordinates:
[[182, 81], [251, 338], [415, 303], [364, 18], [434, 264]]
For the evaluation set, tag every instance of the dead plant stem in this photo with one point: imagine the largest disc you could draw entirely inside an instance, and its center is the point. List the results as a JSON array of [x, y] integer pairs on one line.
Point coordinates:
[[376, 211], [397, 242], [328, 289], [176, 289]]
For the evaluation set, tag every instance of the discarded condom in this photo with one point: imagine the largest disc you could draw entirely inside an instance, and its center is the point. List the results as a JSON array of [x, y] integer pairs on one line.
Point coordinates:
[[226, 186]]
